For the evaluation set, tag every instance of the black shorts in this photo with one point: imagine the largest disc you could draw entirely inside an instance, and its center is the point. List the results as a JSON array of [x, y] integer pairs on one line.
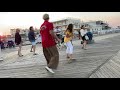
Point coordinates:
[[62, 40], [83, 38]]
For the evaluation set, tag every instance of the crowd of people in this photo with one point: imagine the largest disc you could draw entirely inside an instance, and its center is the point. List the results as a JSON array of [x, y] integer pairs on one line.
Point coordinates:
[[51, 39]]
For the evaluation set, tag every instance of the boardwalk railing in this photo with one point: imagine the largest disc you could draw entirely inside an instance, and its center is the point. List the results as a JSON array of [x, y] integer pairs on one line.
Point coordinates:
[[103, 32]]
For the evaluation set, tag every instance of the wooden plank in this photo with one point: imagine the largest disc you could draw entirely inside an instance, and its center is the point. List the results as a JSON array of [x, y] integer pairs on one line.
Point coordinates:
[[93, 76], [115, 65], [102, 72], [107, 72], [102, 69], [113, 71]]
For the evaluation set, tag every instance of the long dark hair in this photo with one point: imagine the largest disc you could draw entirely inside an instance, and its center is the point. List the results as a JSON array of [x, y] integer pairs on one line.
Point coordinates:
[[70, 28]]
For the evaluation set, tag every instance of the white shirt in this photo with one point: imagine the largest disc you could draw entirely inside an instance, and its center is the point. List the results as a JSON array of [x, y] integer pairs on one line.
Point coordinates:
[[83, 32], [58, 31], [39, 38]]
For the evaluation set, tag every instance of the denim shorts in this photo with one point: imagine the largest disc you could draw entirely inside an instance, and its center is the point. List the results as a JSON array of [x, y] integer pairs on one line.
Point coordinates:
[[33, 43]]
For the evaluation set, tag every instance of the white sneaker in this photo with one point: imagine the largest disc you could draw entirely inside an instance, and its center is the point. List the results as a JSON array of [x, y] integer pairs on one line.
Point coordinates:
[[50, 70]]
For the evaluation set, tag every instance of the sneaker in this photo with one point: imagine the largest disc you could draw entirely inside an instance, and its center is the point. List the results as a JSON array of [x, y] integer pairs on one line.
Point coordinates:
[[20, 55], [50, 70]]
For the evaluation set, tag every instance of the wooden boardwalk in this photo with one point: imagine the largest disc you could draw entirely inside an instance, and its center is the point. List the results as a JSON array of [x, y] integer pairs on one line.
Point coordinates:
[[111, 69], [91, 63]]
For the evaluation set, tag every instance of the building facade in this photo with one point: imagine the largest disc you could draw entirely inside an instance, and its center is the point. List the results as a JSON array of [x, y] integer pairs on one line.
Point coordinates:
[[97, 25], [94, 26], [23, 33], [65, 22]]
